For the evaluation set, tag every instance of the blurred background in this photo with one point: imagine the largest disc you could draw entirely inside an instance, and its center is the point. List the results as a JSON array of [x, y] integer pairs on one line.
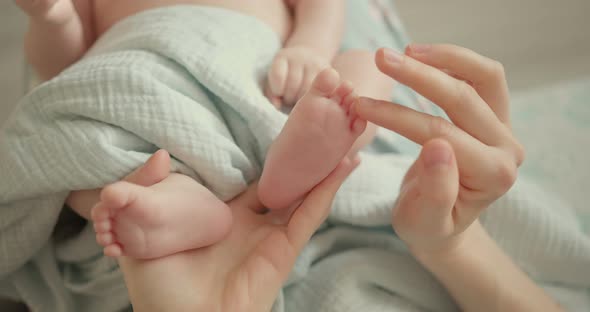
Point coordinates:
[[540, 42]]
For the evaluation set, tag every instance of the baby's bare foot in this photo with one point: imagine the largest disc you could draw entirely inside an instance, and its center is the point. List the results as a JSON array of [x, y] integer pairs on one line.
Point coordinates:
[[174, 215], [53, 11], [319, 133]]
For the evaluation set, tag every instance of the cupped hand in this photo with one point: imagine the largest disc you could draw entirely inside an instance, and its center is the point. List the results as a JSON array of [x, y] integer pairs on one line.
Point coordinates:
[[465, 164], [244, 271]]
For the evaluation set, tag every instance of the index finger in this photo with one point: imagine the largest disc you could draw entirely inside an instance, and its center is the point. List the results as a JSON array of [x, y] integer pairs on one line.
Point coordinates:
[[459, 100], [487, 75]]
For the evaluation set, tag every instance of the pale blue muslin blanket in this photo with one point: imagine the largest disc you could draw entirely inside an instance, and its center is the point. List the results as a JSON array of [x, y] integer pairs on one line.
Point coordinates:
[[188, 79]]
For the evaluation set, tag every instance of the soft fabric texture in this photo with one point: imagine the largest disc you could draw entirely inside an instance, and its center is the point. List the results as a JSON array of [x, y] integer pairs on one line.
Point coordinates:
[[188, 79]]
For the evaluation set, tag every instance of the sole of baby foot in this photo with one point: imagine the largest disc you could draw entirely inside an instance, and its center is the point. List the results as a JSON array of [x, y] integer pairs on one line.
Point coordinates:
[[319, 133], [150, 222]]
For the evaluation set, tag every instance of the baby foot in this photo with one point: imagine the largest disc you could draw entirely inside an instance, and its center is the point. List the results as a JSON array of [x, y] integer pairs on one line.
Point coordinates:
[[54, 11], [319, 133], [173, 215]]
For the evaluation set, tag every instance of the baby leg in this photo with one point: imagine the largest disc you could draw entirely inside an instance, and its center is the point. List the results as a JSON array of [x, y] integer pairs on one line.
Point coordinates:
[[171, 216], [59, 33], [318, 135], [358, 67]]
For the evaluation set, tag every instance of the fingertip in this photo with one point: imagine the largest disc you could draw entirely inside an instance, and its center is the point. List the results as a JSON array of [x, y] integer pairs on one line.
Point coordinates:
[[388, 60], [439, 178], [437, 153], [161, 155], [365, 108]]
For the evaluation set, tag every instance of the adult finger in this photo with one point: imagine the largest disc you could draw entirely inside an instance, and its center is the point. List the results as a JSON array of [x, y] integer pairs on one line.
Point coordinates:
[[155, 169], [486, 75], [482, 167], [315, 208], [424, 209], [459, 100]]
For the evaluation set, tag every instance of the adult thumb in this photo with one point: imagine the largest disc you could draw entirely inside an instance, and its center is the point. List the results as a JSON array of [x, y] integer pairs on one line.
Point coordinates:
[[430, 191]]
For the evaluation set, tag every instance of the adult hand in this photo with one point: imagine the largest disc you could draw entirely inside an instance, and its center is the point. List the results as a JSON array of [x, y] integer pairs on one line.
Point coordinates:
[[464, 165], [243, 272]]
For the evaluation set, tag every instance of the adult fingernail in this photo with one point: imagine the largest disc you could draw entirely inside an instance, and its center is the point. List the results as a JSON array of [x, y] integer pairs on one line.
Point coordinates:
[[392, 57], [419, 48], [438, 156]]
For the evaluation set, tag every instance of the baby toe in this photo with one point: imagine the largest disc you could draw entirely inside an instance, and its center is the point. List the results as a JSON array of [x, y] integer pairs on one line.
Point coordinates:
[[343, 90], [102, 226], [325, 82], [105, 239], [113, 250]]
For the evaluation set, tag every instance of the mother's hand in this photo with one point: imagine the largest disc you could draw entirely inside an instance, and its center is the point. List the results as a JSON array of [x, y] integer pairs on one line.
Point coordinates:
[[465, 165], [243, 272]]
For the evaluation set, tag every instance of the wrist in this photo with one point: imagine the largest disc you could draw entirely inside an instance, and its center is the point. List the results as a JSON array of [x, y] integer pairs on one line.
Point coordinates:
[[455, 249], [317, 50]]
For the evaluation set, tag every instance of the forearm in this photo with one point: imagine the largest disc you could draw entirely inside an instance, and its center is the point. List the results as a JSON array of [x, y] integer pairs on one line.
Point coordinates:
[[318, 25], [481, 277], [52, 47]]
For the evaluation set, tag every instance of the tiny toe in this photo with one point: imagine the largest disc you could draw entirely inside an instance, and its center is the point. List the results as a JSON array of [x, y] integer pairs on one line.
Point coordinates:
[[347, 103], [102, 227], [325, 82], [113, 250], [105, 239], [343, 90], [99, 212]]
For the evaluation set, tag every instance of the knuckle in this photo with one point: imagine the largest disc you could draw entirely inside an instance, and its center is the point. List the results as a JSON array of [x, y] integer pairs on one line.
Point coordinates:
[[439, 127], [464, 94], [506, 175]]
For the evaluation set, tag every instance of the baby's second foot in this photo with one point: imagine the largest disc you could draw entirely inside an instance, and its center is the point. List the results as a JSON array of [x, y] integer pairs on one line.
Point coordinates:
[[171, 216], [319, 133], [53, 11]]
